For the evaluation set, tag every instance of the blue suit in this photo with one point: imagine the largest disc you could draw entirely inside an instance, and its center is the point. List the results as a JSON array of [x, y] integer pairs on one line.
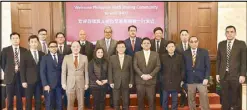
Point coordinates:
[[201, 70], [50, 73], [129, 50]]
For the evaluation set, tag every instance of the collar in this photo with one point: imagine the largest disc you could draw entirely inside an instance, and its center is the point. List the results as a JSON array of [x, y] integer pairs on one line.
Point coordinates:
[[132, 38], [107, 39], [53, 54], [15, 47], [194, 50], [42, 41], [32, 50], [232, 41], [121, 55], [146, 51], [60, 45]]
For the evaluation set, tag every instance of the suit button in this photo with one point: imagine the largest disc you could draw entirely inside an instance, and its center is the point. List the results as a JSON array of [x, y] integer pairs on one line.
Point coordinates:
[[193, 70]]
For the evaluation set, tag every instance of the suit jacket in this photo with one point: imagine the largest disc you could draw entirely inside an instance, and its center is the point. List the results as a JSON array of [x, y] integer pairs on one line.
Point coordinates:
[[88, 49], [50, 72], [180, 48], [140, 67], [112, 48], [8, 63], [40, 47], [162, 49], [119, 76], [72, 75], [237, 60], [201, 70], [66, 50], [129, 50], [29, 70]]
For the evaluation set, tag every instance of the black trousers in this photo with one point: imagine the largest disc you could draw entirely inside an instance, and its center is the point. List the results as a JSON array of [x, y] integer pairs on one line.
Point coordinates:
[[36, 91], [15, 88], [118, 94], [3, 97], [99, 95], [230, 93]]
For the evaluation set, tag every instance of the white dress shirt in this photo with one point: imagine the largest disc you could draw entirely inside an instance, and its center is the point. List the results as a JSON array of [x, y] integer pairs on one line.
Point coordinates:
[[121, 59]]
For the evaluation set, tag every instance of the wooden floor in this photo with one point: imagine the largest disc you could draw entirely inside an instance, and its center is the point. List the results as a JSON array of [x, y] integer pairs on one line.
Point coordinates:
[[214, 101]]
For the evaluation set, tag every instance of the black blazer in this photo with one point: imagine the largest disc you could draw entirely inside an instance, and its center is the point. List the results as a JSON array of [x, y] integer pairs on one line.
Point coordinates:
[[180, 48], [29, 70], [89, 48], [162, 46], [66, 50], [237, 60], [8, 63]]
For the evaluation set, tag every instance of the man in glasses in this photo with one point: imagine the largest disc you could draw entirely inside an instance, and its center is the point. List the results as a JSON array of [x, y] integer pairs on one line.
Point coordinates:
[[50, 73], [197, 70]]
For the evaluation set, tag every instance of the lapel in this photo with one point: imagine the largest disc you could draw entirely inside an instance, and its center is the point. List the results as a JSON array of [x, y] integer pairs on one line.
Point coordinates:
[[224, 47], [30, 54], [233, 48], [190, 57], [118, 61], [80, 61], [124, 61], [136, 44], [104, 44], [130, 45], [111, 46], [51, 58], [197, 57], [72, 61], [11, 53], [161, 45], [153, 46], [149, 59], [143, 55]]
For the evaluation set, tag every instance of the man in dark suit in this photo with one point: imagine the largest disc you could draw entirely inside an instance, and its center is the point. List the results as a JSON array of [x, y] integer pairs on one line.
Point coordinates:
[[120, 76], [231, 69], [133, 43], [30, 73], [158, 45], [146, 74], [50, 73], [62, 48], [11, 57], [86, 49], [180, 48], [42, 34], [184, 44], [109, 46], [197, 71]]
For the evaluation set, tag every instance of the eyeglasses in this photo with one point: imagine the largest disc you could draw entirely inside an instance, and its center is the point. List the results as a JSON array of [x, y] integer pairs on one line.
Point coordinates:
[[108, 32], [43, 34], [194, 41], [52, 46]]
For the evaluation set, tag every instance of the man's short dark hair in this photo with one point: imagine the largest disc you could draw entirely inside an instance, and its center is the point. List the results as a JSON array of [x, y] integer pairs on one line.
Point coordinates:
[[170, 42], [132, 26], [192, 37], [52, 42], [59, 34], [230, 26], [14, 33], [121, 42], [157, 28], [184, 30], [42, 30], [146, 38], [33, 37]]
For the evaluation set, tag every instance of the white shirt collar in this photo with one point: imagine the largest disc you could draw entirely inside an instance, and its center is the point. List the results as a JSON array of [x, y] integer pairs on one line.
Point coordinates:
[[53, 54], [60, 45], [231, 41], [146, 51], [42, 41], [121, 55], [107, 39], [192, 50], [81, 41], [32, 50], [132, 38], [15, 47]]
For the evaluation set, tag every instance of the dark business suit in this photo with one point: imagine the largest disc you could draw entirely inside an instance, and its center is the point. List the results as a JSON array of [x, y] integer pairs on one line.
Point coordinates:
[[87, 49], [11, 78], [146, 87], [180, 48], [162, 50], [229, 80], [50, 74], [195, 76], [65, 50], [121, 78], [30, 73], [129, 51]]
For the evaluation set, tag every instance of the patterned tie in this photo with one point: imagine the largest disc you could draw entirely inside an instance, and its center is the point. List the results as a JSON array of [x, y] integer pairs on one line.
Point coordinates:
[[133, 44], [76, 61], [55, 59], [194, 58], [157, 46], [16, 57], [228, 55], [44, 48], [35, 57]]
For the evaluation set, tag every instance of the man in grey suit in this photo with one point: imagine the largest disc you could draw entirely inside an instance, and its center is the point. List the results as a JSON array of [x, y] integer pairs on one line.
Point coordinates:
[[109, 46], [231, 69], [146, 65], [107, 43], [120, 76], [75, 76]]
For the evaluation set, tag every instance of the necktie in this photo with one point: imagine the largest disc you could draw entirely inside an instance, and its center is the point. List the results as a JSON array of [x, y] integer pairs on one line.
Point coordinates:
[[83, 46], [55, 59], [185, 47], [157, 46], [76, 61], [60, 49], [194, 58], [228, 55], [16, 57], [133, 44], [44, 47], [35, 57], [107, 44]]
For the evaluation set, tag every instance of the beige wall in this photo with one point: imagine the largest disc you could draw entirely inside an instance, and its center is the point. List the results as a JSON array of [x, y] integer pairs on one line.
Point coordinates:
[[232, 13]]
